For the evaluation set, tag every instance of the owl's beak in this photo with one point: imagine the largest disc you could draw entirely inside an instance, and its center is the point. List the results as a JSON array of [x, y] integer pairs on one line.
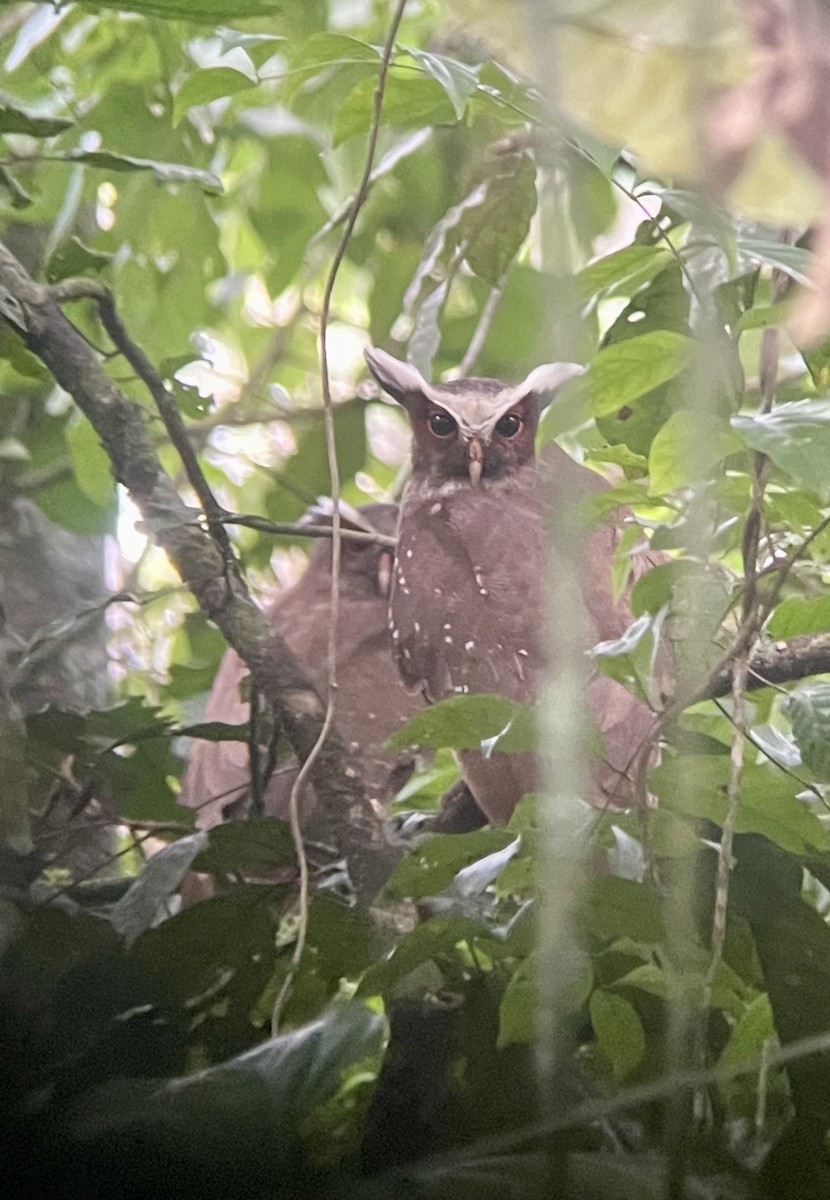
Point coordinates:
[[475, 449]]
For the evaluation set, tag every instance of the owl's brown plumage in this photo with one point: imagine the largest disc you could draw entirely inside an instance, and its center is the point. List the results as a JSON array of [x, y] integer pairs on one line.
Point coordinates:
[[371, 701], [466, 599]]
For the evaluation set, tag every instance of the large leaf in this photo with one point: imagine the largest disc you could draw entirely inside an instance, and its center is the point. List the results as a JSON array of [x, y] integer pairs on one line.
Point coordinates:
[[495, 230], [796, 437], [624, 371], [696, 786]]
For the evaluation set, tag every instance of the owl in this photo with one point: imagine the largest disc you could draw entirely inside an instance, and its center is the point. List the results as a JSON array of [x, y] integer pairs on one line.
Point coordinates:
[[371, 700], [466, 600]]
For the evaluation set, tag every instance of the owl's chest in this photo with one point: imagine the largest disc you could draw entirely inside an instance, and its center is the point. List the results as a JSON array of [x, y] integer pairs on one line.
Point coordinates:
[[465, 598]]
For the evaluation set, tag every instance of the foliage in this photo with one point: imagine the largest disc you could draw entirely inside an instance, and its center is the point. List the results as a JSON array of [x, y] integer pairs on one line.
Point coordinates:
[[205, 174]]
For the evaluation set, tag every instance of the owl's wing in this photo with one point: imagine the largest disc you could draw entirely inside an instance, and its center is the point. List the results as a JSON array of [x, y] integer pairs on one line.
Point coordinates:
[[217, 774], [468, 619]]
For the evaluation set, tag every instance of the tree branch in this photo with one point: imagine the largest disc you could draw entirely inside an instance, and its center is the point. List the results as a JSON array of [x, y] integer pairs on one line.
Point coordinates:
[[784, 662], [214, 580]]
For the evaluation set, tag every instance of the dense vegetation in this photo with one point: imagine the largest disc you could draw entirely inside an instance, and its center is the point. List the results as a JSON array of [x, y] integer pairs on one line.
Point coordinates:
[[662, 1029]]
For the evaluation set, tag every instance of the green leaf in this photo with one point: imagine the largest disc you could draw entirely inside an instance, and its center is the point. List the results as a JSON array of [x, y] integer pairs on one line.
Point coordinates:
[[792, 260], [470, 723], [800, 614], [623, 908], [809, 709], [495, 230], [457, 79], [624, 371], [90, 463], [518, 1011], [146, 901], [679, 455], [209, 84], [165, 172], [408, 103], [433, 938], [622, 266], [14, 119], [210, 12], [432, 867], [247, 847], [696, 786], [618, 1030], [796, 437]]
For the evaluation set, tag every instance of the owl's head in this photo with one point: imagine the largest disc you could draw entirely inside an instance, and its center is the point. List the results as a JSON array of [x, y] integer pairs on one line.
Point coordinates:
[[470, 428]]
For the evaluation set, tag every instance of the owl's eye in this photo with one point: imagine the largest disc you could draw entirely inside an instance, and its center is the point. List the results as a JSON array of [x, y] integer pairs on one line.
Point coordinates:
[[509, 425], [441, 424]]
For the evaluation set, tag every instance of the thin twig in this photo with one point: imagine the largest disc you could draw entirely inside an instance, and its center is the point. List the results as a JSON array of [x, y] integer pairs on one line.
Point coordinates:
[[290, 529], [334, 473], [481, 333], [74, 289]]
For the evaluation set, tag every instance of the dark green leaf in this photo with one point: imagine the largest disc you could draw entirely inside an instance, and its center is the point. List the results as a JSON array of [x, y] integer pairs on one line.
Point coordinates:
[[623, 908], [495, 230], [165, 172], [433, 866], [14, 119]]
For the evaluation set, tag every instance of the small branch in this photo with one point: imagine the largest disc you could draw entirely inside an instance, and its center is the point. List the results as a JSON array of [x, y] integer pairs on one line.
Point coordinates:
[[263, 525]]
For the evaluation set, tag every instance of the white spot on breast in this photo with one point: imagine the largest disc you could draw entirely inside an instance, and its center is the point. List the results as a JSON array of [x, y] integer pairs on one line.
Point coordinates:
[[401, 578], [483, 592], [446, 626], [438, 591], [479, 580], [469, 645], [371, 716], [417, 626], [448, 640], [405, 591], [406, 653], [524, 652], [396, 633], [435, 509]]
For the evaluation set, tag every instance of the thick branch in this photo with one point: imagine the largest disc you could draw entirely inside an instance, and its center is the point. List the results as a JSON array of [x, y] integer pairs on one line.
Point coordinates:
[[120, 424], [783, 662]]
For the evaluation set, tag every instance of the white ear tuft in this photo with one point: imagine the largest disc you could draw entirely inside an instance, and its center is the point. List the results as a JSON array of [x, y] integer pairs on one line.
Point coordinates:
[[548, 377], [397, 378]]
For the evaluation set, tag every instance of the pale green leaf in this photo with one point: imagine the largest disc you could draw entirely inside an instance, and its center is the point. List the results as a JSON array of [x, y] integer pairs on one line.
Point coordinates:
[[682, 451], [626, 370], [206, 85]]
